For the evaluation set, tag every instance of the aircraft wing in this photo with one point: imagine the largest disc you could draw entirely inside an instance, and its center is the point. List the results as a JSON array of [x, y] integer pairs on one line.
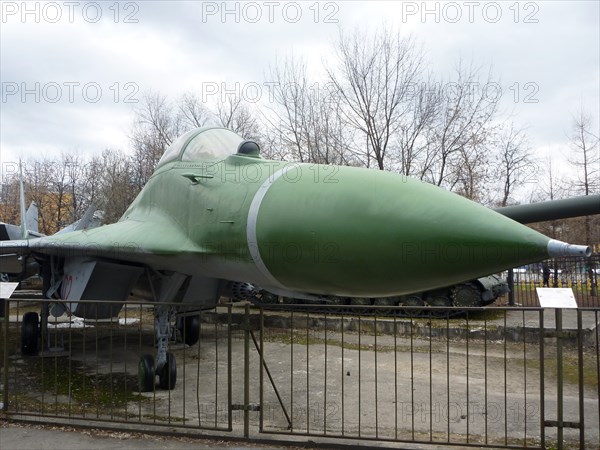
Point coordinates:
[[129, 241], [107, 263]]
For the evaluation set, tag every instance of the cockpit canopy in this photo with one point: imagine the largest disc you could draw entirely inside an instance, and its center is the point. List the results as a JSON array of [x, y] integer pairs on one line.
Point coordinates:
[[205, 143]]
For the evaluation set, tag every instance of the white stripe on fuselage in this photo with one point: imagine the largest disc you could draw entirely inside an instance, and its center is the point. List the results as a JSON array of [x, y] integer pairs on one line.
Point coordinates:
[[251, 224]]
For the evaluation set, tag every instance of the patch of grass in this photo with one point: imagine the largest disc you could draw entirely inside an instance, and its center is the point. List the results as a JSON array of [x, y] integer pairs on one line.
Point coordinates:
[[570, 370], [59, 376], [301, 338], [475, 318], [13, 340]]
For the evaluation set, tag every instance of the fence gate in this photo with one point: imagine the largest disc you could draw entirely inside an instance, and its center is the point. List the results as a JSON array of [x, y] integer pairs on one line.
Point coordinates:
[[510, 377]]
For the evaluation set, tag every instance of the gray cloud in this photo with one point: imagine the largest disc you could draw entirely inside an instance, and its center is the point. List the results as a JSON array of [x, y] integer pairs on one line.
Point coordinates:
[[175, 47]]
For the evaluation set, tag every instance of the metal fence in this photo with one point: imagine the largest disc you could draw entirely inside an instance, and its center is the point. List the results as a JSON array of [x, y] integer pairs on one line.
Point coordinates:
[[88, 369], [579, 274], [498, 377]]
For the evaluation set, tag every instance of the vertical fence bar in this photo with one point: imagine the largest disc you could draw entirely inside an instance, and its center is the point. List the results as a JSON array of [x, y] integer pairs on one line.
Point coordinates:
[[376, 385], [395, 378], [139, 312], [542, 383], [44, 340], [412, 379], [448, 373], [262, 368], [597, 369], [198, 384], [580, 376], [125, 368], [247, 371], [343, 374], [524, 380], [505, 386], [261, 373], [431, 318], [511, 287], [559, 375], [16, 404], [307, 373], [96, 368], [359, 377], [292, 371], [110, 376], [70, 393], [5, 356], [325, 384], [229, 369], [467, 373], [485, 378], [55, 358], [216, 328]]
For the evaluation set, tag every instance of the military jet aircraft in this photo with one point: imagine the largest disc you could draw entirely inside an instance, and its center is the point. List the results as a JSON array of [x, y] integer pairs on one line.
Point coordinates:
[[217, 219], [28, 229], [29, 226]]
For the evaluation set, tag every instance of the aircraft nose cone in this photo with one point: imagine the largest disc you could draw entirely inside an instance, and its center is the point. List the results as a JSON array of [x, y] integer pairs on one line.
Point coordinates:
[[370, 233]]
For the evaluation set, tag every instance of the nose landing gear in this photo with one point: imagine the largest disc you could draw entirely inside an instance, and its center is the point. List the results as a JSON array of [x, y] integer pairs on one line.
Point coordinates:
[[166, 364]]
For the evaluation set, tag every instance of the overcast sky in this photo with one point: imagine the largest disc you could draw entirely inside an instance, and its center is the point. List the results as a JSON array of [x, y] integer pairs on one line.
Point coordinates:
[[72, 71]]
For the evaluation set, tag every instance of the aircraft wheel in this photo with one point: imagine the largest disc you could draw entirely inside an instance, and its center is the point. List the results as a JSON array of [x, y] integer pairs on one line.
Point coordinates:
[[30, 331], [190, 329], [168, 374], [466, 294], [146, 373]]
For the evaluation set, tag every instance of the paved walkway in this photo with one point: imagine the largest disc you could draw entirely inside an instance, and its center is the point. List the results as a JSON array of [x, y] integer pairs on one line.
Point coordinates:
[[15, 436]]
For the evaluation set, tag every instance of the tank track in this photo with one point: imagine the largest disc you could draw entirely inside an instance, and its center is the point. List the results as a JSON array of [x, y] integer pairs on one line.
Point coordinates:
[[476, 293]]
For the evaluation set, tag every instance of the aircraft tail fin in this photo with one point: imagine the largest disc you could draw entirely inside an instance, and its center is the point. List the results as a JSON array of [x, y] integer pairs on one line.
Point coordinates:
[[32, 218], [87, 221], [24, 231]]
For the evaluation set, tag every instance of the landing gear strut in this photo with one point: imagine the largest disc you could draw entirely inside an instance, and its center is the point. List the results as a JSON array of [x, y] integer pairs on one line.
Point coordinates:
[[166, 366]]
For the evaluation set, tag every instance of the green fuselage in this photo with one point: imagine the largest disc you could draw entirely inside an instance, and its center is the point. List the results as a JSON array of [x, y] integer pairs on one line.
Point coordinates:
[[322, 229]]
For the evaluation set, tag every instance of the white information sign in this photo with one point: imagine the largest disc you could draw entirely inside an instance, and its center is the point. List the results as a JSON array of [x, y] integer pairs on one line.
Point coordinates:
[[556, 297], [7, 289]]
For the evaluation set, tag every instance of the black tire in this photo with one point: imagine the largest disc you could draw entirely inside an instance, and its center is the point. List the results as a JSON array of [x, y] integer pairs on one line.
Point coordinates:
[[146, 373], [30, 332], [189, 327], [168, 374]]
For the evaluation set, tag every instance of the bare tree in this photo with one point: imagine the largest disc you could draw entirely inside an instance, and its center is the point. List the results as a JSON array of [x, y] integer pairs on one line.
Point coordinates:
[[514, 164], [289, 94], [463, 118], [413, 138], [374, 79], [156, 126], [192, 112], [46, 182], [118, 188], [472, 172], [585, 156], [92, 172], [236, 115], [586, 159], [9, 199], [305, 119]]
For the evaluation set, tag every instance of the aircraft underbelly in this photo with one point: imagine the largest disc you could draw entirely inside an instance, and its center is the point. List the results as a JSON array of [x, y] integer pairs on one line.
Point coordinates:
[[109, 283]]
